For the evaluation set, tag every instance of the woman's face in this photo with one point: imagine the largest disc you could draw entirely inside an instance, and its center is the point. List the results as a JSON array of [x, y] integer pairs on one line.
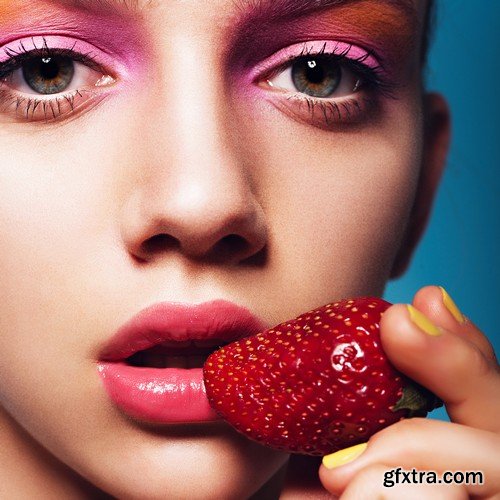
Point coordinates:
[[171, 151]]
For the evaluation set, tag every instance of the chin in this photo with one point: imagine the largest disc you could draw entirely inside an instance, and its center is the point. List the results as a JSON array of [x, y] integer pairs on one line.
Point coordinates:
[[212, 463]]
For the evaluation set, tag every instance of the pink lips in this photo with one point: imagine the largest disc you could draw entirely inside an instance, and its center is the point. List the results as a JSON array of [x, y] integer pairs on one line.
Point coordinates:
[[169, 395]]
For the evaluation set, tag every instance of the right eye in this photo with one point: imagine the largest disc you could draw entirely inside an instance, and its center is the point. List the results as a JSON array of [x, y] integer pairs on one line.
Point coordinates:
[[41, 83], [51, 74]]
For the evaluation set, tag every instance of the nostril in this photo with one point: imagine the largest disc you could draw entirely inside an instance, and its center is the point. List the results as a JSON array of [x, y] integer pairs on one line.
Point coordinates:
[[230, 247], [159, 243]]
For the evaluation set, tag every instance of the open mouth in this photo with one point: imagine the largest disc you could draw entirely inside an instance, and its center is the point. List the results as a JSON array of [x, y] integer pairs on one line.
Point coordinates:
[[187, 354]]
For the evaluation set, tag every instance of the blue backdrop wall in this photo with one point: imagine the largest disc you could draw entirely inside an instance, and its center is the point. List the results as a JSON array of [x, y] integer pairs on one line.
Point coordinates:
[[460, 250]]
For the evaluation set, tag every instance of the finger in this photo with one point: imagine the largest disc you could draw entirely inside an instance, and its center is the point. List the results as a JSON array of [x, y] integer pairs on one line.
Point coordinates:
[[449, 365], [377, 481], [440, 308], [423, 445]]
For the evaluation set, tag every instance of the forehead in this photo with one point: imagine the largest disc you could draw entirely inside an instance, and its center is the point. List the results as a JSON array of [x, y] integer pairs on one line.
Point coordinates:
[[415, 7], [390, 21]]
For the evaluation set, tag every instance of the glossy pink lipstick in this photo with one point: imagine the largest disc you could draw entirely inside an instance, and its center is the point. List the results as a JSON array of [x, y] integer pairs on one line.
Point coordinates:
[[152, 367]]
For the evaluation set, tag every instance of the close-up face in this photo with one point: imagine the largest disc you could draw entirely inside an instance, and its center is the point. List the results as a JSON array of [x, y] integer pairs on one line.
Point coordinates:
[[266, 153]]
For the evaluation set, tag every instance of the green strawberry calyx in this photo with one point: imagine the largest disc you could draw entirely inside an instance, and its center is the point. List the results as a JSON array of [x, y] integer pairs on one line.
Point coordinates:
[[417, 400]]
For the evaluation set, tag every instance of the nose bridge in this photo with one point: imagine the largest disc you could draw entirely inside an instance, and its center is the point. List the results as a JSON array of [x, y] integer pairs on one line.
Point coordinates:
[[196, 189], [200, 159], [194, 85]]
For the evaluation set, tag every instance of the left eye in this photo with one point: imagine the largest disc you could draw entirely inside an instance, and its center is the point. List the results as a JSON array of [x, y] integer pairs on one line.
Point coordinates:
[[52, 74], [318, 76]]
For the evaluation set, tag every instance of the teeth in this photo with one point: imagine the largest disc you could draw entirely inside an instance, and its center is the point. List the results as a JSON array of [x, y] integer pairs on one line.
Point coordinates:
[[196, 361], [188, 354], [175, 362], [154, 360], [162, 361]]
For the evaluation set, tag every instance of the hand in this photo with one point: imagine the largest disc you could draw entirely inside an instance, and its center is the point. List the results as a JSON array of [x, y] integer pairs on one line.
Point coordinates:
[[456, 362]]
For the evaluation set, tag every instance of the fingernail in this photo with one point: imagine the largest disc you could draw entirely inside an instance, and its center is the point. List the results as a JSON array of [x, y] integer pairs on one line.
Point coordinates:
[[343, 456], [451, 306], [423, 322]]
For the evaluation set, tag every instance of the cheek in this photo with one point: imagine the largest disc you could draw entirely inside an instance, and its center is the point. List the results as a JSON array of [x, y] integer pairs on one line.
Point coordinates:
[[338, 202], [55, 233]]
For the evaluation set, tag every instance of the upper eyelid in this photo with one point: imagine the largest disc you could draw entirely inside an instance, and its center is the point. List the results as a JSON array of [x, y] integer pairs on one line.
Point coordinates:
[[80, 49], [348, 51], [15, 62]]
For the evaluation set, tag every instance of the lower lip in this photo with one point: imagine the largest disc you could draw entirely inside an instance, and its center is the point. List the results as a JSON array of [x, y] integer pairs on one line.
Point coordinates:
[[158, 395]]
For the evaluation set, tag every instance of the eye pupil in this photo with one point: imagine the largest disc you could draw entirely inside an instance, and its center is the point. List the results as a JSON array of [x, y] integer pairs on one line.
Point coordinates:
[[49, 75], [49, 69], [318, 76]]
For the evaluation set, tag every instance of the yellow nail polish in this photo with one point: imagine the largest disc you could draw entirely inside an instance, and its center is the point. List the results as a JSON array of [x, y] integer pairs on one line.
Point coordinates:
[[451, 306], [344, 456], [423, 322]]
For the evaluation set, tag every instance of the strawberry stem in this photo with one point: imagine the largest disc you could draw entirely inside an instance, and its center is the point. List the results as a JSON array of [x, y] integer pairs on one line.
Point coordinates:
[[417, 400]]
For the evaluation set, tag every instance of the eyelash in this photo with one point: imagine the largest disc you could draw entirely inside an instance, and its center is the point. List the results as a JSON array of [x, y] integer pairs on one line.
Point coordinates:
[[374, 82], [53, 107]]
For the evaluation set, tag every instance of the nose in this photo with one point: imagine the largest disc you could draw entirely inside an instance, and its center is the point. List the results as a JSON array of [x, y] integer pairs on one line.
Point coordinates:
[[212, 218], [193, 194]]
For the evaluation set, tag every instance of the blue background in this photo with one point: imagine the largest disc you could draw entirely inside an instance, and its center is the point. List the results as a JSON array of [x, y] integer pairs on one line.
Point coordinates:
[[461, 246]]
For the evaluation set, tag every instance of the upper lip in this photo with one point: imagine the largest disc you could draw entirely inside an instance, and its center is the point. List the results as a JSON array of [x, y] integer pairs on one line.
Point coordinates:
[[174, 322]]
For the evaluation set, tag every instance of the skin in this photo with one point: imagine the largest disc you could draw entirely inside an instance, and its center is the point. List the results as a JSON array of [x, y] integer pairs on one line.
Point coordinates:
[[80, 198]]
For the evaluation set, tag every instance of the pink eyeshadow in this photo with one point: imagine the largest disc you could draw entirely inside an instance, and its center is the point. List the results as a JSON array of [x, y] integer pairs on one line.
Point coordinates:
[[55, 42], [313, 47], [110, 37]]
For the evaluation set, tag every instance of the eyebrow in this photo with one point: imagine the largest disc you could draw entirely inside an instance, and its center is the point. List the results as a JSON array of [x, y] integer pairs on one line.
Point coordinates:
[[254, 9], [108, 5], [272, 10]]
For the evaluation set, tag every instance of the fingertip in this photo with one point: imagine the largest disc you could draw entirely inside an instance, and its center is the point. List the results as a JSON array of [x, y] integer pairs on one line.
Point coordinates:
[[408, 338], [397, 331], [436, 303], [336, 469], [329, 481]]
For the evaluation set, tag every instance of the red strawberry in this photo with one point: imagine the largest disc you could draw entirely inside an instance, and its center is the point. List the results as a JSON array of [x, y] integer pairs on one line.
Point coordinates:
[[315, 384]]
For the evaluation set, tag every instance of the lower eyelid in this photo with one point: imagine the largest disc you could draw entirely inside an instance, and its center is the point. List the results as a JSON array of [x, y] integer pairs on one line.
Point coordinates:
[[17, 107], [326, 114]]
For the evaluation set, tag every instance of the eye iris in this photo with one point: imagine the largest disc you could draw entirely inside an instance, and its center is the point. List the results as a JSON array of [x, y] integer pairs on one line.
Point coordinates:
[[49, 75], [316, 76]]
